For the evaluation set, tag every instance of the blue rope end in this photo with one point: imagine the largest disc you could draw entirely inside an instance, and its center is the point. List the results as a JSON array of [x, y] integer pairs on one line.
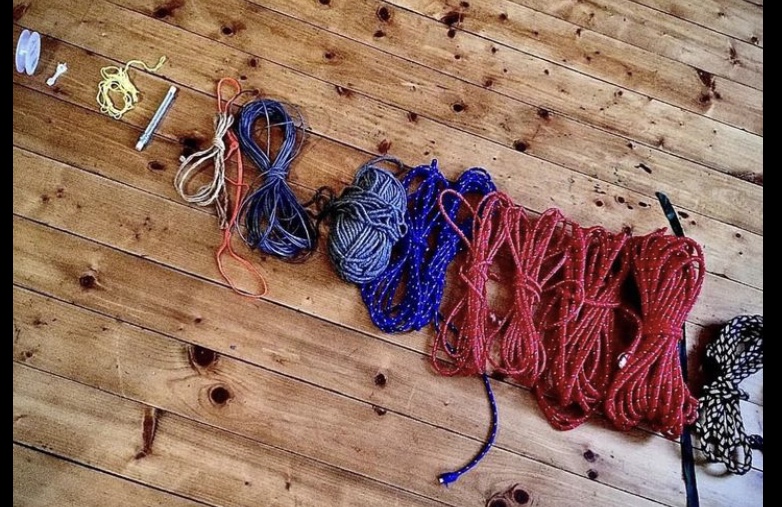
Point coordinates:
[[448, 478]]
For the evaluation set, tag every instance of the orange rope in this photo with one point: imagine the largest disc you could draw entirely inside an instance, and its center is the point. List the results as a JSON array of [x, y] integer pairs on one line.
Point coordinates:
[[225, 246]]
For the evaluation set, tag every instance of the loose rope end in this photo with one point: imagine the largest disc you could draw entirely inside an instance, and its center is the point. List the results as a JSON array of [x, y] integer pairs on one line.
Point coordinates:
[[448, 478]]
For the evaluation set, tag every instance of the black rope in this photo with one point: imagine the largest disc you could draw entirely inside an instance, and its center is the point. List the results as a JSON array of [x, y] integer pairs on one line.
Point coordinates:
[[688, 460], [736, 354]]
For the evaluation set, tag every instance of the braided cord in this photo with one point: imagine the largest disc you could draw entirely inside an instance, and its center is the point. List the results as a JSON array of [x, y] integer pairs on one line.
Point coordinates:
[[274, 221], [736, 354], [406, 295], [449, 477]]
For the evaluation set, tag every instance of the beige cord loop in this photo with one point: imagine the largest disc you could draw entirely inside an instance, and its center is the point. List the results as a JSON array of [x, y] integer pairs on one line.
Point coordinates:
[[213, 192]]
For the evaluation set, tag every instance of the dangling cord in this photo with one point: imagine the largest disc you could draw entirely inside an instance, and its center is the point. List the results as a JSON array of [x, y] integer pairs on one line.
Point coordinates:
[[688, 461], [581, 352], [406, 295], [465, 338], [239, 185], [736, 354], [116, 80], [450, 477], [274, 221]]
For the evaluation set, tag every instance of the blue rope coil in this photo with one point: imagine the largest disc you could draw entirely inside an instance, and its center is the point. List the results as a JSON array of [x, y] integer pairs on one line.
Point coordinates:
[[368, 218], [274, 221], [407, 295]]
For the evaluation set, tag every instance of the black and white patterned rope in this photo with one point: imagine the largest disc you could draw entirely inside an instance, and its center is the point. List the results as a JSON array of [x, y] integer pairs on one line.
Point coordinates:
[[736, 354]]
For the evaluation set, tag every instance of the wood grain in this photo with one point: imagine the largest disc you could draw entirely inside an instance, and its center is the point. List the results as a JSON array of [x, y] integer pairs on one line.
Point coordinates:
[[391, 80], [70, 332], [543, 44], [373, 124], [742, 19], [403, 83], [663, 26], [188, 458], [43, 480], [138, 374]]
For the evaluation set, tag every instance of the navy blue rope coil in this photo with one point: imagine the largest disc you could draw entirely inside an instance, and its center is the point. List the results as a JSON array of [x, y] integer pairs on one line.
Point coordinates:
[[273, 220], [367, 219], [407, 295]]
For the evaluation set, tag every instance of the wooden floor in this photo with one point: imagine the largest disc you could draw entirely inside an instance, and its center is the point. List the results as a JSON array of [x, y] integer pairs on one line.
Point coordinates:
[[141, 379]]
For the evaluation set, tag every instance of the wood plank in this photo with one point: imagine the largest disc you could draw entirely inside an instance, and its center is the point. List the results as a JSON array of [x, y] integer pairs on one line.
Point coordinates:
[[42, 480], [291, 415], [742, 19], [59, 347], [38, 321], [92, 207], [483, 112], [546, 44], [372, 124], [666, 34], [74, 281], [425, 94], [287, 347], [191, 459], [731, 252]]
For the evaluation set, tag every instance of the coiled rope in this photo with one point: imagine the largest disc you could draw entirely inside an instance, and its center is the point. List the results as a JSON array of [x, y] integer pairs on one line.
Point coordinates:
[[216, 191], [367, 220], [581, 353], [274, 221], [407, 294], [736, 354], [115, 80], [668, 272]]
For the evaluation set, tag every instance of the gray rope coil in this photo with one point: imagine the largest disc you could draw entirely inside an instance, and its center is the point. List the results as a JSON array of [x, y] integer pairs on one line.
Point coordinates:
[[367, 219], [736, 354]]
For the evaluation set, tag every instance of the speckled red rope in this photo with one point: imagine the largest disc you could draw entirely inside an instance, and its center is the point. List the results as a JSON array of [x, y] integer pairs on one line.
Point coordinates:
[[582, 352], [468, 322], [649, 387], [538, 253], [472, 335]]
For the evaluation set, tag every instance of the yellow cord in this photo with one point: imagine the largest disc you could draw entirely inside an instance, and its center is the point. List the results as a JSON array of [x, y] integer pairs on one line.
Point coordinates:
[[116, 80]]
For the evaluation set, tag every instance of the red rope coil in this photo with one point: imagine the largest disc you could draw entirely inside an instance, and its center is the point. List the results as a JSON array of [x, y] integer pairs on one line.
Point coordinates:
[[581, 352], [469, 320], [668, 273]]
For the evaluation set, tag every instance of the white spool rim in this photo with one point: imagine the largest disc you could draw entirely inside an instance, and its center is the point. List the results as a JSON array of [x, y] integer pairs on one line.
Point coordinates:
[[33, 53], [21, 50]]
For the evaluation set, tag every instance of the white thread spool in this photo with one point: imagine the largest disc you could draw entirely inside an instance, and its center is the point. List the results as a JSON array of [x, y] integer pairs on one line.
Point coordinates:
[[28, 51]]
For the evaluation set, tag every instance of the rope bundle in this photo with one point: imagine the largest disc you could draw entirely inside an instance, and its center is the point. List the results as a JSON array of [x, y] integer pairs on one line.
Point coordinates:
[[649, 386], [406, 295], [535, 248], [559, 332], [368, 218], [116, 80], [274, 221], [582, 352], [216, 192], [736, 354]]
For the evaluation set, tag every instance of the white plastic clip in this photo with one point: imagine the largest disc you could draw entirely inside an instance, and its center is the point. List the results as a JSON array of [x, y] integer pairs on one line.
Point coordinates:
[[28, 50], [62, 68]]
